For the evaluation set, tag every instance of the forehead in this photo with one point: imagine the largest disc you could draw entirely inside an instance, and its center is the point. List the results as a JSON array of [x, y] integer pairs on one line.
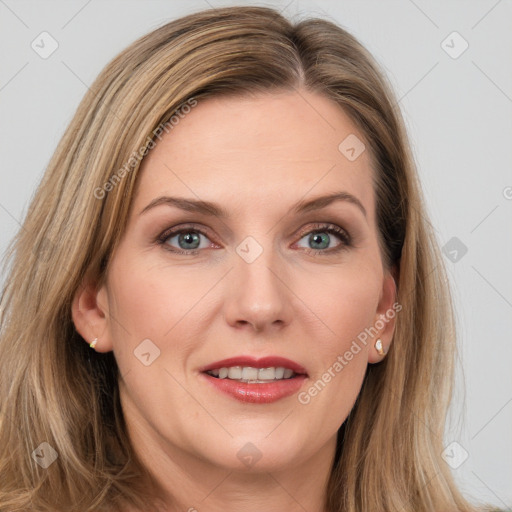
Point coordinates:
[[259, 150]]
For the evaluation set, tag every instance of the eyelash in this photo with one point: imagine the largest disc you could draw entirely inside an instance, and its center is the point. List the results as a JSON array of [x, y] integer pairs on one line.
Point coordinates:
[[341, 233]]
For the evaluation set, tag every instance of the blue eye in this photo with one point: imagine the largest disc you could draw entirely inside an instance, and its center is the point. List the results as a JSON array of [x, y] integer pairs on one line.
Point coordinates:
[[319, 240], [188, 240]]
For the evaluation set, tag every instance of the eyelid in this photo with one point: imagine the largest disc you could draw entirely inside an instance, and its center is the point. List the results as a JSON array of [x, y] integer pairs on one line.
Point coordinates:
[[176, 229], [325, 226]]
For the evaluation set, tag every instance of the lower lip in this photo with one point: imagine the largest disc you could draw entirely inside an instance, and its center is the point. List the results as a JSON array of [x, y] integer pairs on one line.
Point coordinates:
[[257, 393]]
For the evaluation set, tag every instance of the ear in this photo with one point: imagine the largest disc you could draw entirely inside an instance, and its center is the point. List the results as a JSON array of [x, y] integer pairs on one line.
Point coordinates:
[[89, 311], [385, 315]]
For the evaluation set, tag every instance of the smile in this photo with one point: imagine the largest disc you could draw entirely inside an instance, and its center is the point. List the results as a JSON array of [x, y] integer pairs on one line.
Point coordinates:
[[252, 375], [252, 380]]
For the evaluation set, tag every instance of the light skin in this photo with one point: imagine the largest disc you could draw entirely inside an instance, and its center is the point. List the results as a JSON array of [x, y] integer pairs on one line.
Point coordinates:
[[255, 157]]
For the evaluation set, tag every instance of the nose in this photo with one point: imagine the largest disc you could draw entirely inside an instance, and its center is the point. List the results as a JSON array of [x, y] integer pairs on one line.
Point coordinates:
[[258, 296]]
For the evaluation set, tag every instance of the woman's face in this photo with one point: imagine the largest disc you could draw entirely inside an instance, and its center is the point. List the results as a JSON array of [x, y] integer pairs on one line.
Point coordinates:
[[267, 278]]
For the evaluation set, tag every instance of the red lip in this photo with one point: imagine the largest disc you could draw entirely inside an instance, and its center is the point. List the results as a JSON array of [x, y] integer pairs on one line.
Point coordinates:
[[256, 393], [264, 362]]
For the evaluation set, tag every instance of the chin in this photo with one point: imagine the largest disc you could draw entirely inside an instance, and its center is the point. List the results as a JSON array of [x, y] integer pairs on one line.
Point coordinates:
[[257, 454]]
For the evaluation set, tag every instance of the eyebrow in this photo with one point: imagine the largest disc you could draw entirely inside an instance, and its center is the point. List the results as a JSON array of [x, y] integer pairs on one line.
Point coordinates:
[[212, 209]]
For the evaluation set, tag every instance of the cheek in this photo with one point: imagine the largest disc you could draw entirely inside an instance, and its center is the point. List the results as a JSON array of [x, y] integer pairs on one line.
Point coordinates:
[[346, 302], [152, 300], [347, 307]]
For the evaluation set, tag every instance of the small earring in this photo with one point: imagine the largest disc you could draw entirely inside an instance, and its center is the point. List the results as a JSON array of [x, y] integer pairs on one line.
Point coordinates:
[[378, 346], [93, 344]]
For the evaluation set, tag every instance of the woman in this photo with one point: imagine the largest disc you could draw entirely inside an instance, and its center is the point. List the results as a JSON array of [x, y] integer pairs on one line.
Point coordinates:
[[225, 295]]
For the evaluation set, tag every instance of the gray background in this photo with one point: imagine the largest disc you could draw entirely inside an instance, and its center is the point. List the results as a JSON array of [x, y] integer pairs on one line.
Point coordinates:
[[458, 113]]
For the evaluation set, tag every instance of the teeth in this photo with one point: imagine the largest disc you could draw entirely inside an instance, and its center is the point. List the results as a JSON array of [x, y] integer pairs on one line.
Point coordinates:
[[235, 372], [250, 374], [279, 372], [267, 373]]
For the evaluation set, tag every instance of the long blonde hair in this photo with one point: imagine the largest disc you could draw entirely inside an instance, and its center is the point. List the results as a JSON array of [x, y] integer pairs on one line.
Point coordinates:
[[54, 389]]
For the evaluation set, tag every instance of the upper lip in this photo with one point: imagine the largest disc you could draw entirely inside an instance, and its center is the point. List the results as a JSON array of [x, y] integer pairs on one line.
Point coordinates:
[[263, 362]]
